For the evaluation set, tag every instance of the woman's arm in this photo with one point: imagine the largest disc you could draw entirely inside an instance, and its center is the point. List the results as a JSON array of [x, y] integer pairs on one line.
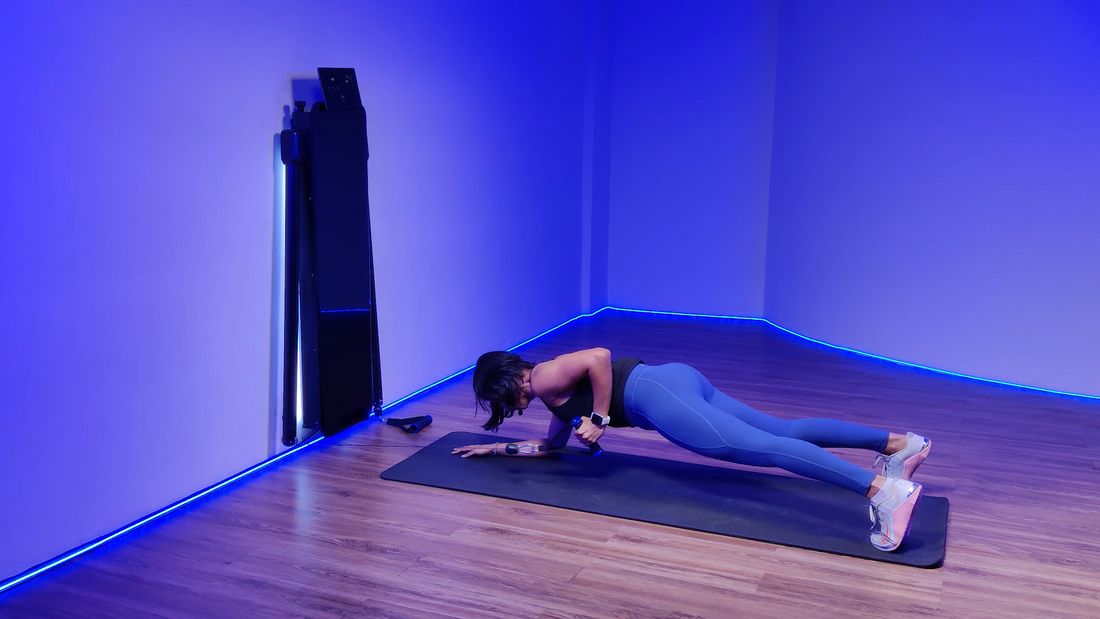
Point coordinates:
[[552, 379], [556, 378], [498, 449], [555, 439]]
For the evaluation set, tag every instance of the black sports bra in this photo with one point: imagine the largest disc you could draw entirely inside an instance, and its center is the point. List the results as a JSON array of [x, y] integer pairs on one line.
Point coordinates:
[[580, 401]]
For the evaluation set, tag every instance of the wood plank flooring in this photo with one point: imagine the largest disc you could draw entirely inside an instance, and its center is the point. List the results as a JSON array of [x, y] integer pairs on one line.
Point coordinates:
[[323, 536]]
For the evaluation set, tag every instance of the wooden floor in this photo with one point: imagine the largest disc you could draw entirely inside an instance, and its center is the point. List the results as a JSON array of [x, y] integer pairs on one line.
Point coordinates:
[[323, 536]]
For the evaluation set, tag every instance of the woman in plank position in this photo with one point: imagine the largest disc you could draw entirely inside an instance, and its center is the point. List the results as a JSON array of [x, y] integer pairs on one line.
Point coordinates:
[[678, 402]]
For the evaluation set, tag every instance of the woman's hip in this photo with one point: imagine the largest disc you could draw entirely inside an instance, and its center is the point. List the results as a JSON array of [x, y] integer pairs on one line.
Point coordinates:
[[651, 388]]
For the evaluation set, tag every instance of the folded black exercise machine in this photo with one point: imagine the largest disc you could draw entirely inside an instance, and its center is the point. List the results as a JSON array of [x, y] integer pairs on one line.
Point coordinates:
[[330, 296]]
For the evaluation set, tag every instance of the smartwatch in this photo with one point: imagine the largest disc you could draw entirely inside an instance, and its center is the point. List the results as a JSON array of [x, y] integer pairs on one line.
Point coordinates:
[[600, 420]]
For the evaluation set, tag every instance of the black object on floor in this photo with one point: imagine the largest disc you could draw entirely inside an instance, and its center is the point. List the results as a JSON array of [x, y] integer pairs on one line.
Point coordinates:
[[770, 508], [410, 425]]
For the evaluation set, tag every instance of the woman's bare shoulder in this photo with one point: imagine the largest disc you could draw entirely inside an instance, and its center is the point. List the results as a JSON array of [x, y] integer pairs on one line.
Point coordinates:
[[554, 380]]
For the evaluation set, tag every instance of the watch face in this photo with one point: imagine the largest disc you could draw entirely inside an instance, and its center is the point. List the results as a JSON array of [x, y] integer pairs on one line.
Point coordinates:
[[599, 419]]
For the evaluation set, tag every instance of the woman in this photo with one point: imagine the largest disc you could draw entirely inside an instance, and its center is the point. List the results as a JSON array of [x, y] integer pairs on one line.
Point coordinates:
[[678, 402]]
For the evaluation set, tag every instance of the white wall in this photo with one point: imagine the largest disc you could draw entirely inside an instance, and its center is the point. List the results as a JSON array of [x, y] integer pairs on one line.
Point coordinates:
[[137, 234], [935, 192], [691, 107]]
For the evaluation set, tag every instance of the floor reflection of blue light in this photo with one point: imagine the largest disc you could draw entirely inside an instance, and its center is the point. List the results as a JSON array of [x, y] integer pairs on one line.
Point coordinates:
[[267, 463], [146, 520]]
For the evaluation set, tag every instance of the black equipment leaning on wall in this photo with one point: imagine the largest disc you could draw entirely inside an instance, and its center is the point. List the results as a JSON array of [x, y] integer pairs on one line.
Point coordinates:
[[329, 264]]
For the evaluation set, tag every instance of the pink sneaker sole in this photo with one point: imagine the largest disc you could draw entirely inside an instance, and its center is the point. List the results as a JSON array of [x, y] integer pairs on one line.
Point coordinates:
[[889, 539]]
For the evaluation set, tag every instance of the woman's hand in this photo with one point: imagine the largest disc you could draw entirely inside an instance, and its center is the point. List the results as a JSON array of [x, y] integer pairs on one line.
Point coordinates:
[[475, 450], [589, 432]]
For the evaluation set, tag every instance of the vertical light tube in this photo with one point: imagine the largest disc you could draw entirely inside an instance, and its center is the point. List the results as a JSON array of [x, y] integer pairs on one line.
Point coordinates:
[[298, 379]]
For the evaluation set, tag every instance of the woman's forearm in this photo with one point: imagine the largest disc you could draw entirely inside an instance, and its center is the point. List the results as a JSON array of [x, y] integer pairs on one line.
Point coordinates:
[[528, 448]]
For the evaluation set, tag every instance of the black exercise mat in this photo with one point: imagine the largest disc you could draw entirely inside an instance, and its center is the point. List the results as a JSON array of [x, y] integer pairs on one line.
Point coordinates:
[[758, 506]]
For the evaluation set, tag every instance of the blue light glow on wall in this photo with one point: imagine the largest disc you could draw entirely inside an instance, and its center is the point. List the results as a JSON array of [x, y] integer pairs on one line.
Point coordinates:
[[467, 369], [852, 350], [958, 229]]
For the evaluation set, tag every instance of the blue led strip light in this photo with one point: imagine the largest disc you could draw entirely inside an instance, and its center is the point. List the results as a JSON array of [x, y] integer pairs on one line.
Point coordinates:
[[859, 352], [266, 463], [171, 508], [150, 518], [638, 311]]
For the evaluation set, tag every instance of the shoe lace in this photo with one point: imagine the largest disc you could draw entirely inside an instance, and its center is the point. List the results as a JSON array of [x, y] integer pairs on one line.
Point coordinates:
[[887, 461], [880, 458]]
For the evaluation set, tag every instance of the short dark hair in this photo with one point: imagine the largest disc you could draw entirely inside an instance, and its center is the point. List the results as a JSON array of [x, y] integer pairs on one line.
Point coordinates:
[[498, 378]]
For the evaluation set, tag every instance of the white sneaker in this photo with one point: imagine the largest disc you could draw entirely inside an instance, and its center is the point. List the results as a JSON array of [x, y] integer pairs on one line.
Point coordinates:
[[903, 464], [891, 511]]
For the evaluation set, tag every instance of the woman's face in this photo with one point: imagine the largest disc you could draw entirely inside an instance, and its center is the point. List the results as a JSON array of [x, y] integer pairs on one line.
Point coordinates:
[[521, 402]]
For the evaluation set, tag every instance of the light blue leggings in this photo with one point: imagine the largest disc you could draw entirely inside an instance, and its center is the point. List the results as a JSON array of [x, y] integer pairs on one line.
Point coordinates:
[[680, 403]]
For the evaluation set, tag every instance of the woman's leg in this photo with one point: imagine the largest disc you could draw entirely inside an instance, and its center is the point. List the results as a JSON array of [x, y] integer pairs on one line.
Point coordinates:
[[909, 450], [819, 431], [671, 400]]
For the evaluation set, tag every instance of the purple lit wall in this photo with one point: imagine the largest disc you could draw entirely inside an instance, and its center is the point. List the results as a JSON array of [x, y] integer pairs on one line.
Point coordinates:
[[927, 191], [139, 239], [935, 193], [691, 100]]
